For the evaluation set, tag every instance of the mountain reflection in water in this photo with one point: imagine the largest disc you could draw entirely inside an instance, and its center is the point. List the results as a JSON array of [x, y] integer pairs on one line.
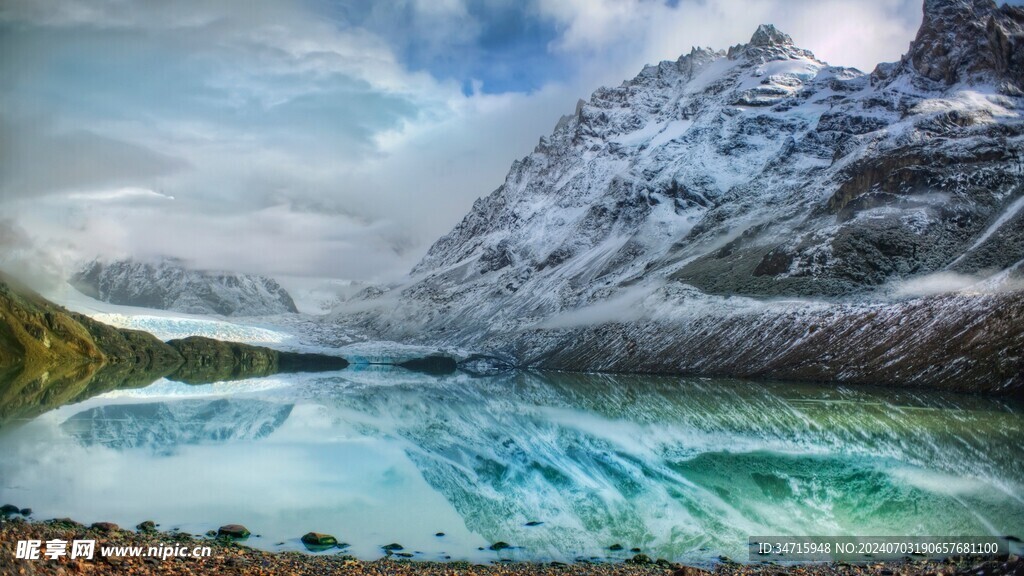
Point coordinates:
[[683, 468]]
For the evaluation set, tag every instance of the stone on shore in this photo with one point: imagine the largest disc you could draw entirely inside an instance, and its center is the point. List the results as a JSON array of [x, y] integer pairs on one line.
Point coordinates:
[[233, 531], [318, 539], [639, 559]]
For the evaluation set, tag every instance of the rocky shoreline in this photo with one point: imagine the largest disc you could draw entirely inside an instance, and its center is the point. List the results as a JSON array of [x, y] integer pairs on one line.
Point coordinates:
[[231, 557]]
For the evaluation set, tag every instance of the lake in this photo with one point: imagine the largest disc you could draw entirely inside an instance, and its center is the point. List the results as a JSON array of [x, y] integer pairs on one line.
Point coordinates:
[[681, 468]]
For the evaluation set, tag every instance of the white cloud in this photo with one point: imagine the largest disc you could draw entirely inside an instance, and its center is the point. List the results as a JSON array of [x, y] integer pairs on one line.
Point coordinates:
[[118, 195], [307, 146], [633, 33]]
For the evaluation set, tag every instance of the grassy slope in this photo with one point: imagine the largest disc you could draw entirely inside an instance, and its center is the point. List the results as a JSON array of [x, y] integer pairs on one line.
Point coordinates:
[[50, 356]]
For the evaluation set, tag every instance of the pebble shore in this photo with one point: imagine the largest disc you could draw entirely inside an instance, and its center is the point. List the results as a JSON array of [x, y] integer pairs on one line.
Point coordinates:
[[232, 558]]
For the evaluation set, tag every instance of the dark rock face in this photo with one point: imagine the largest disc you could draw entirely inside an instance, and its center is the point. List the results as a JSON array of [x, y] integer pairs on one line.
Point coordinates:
[[168, 285], [970, 40], [288, 362], [212, 360]]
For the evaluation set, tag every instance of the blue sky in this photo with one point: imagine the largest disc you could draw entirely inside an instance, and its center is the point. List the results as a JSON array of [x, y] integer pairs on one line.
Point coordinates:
[[332, 138], [502, 47]]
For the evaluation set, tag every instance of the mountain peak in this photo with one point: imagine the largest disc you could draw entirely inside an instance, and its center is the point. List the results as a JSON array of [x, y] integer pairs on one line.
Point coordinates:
[[768, 43], [769, 35], [969, 40]]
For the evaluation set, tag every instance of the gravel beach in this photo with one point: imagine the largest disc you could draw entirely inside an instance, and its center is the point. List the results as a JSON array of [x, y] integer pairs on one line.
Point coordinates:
[[231, 558]]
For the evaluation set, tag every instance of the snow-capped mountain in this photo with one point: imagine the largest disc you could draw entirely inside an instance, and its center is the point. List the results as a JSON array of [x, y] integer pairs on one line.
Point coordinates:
[[762, 172], [765, 171], [167, 284]]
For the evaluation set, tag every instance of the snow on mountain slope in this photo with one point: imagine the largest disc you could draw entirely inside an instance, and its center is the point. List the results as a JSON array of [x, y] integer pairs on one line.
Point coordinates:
[[758, 171], [761, 171], [168, 285]]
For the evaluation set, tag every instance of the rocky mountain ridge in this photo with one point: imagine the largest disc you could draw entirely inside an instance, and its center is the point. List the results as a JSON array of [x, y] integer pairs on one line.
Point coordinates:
[[168, 284], [759, 172]]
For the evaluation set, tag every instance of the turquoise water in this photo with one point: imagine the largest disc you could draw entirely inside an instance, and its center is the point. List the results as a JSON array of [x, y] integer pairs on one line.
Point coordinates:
[[682, 468]]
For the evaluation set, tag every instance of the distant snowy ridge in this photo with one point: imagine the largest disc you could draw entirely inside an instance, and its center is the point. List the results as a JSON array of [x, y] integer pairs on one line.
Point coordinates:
[[764, 172], [167, 284]]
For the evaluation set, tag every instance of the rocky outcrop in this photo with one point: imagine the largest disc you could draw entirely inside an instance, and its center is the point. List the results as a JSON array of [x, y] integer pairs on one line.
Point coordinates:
[[167, 284], [971, 41], [207, 360]]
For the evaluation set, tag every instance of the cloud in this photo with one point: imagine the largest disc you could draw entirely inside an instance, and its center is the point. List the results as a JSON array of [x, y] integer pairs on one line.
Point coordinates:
[[630, 34], [37, 161], [23, 259], [118, 195], [328, 137], [291, 144]]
